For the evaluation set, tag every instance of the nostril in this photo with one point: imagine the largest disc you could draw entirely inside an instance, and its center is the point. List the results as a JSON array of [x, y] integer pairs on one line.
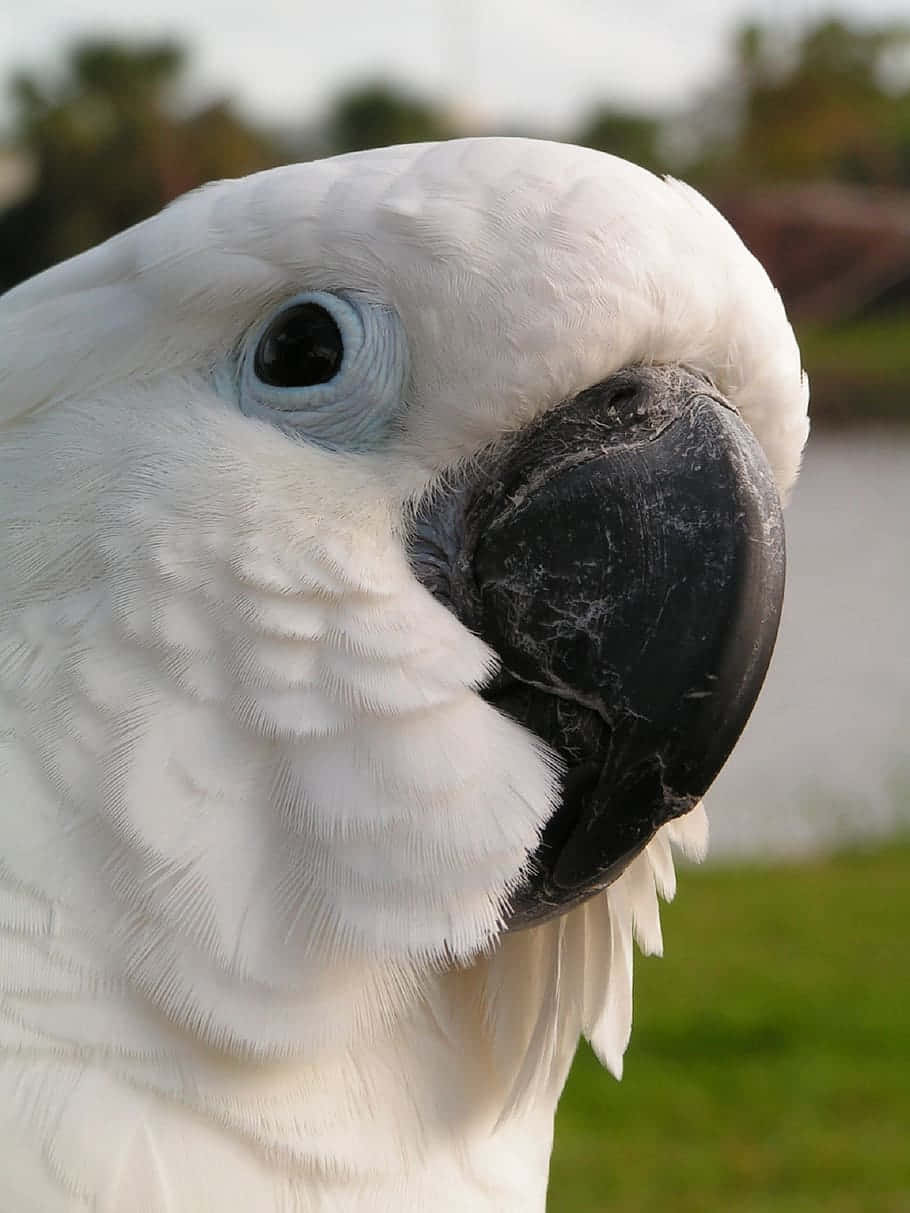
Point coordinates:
[[625, 395]]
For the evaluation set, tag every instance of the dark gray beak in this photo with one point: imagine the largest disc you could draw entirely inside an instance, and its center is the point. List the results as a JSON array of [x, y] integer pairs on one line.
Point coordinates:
[[624, 556]]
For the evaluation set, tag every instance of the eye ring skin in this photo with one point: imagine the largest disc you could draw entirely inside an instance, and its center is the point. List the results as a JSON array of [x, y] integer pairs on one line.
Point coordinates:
[[355, 409]]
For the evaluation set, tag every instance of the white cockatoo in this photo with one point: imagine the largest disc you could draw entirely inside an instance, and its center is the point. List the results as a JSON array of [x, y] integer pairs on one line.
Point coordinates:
[[389, 557]]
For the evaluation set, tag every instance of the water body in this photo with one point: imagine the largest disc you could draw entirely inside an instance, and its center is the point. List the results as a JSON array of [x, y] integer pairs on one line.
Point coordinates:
[[825, 758]]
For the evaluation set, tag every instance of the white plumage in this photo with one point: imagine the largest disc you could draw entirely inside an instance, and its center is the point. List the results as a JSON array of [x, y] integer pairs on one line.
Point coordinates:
[[257, 827]]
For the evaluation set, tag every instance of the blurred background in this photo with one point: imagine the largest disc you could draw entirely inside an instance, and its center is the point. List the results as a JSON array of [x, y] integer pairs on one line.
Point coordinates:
[[770, 1060]]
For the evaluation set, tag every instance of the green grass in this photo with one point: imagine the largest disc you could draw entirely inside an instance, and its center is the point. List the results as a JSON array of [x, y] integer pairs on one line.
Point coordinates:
[[860, 371], [770, 1060], [876, 345]]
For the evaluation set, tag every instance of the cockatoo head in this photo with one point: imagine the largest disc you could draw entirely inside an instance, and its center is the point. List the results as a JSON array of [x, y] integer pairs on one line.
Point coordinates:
[[366, 523]]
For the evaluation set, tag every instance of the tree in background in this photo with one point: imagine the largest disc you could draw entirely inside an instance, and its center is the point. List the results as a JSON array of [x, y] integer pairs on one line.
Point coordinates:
[[635, 137], [110, 148], [826, 105], [378, 114]]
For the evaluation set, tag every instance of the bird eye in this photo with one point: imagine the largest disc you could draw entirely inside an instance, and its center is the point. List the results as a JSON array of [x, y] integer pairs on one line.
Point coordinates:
[[300, 348], [329, 366]]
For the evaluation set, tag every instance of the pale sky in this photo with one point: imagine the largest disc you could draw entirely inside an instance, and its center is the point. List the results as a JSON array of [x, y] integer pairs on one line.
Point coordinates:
[[537, 62]]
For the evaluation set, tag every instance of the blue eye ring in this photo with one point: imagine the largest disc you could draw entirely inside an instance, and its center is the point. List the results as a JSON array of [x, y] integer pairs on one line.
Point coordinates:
[[356, 390]]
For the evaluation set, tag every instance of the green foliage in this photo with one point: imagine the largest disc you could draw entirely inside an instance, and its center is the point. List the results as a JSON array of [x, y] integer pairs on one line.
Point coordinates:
[[111, 148], [769, 1068], [816, 107], [635, 137], [379, 115]]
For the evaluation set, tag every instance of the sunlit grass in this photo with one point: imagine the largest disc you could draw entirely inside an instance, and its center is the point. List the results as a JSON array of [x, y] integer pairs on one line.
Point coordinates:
[[770, 1060], [878, 345], [859, 372]]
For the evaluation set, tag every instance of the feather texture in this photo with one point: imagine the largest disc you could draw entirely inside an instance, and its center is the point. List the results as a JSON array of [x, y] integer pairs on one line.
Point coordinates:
[[257, 826]]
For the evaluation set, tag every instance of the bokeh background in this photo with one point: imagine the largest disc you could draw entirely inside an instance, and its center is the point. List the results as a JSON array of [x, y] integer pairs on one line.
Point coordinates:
[[770, 1060]]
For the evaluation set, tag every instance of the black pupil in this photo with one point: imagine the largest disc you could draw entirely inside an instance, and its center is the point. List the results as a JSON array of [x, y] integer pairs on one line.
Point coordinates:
[[300, 348]]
